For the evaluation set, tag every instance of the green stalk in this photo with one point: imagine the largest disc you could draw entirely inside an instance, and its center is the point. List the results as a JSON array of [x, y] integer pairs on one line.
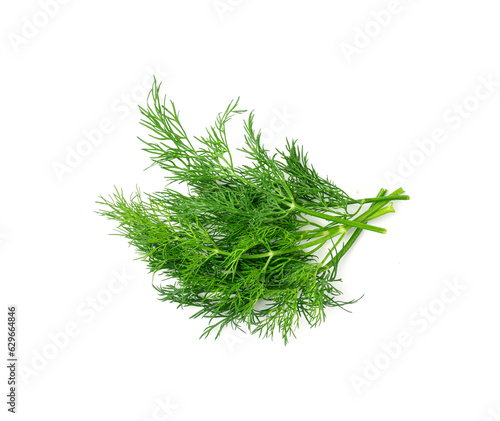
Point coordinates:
[[396, 195], [332, 232], [376, 209], [337, 219], [393, 196], [324, 216]]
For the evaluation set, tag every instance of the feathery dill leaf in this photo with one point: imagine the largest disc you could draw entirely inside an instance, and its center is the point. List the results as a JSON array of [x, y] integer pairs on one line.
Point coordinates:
[[241, 246]]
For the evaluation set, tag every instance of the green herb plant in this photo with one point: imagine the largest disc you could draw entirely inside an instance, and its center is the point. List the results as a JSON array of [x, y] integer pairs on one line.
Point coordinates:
[[242, 245]]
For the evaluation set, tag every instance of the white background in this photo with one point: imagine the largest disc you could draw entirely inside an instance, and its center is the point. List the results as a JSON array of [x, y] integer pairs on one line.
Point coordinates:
[[358, 103]]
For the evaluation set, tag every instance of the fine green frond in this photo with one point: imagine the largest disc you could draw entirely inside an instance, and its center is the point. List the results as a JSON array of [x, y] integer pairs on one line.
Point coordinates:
[[241, 245]]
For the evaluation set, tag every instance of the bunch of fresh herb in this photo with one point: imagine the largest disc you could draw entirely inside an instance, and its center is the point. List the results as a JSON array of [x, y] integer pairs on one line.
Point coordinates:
[[241, 245]]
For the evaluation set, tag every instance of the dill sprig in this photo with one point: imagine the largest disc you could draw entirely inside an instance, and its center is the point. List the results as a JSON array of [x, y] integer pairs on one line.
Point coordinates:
[[242, 244]]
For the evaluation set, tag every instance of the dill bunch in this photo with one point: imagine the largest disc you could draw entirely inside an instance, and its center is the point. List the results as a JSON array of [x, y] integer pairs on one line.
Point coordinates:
[[242, 244]]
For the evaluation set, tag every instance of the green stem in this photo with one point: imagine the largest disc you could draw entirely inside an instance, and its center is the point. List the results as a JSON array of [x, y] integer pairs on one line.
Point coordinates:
[[393, 196], [332, 232], [342, 221], [397, 195], [324, 235], [323, 215], [376, 209]]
